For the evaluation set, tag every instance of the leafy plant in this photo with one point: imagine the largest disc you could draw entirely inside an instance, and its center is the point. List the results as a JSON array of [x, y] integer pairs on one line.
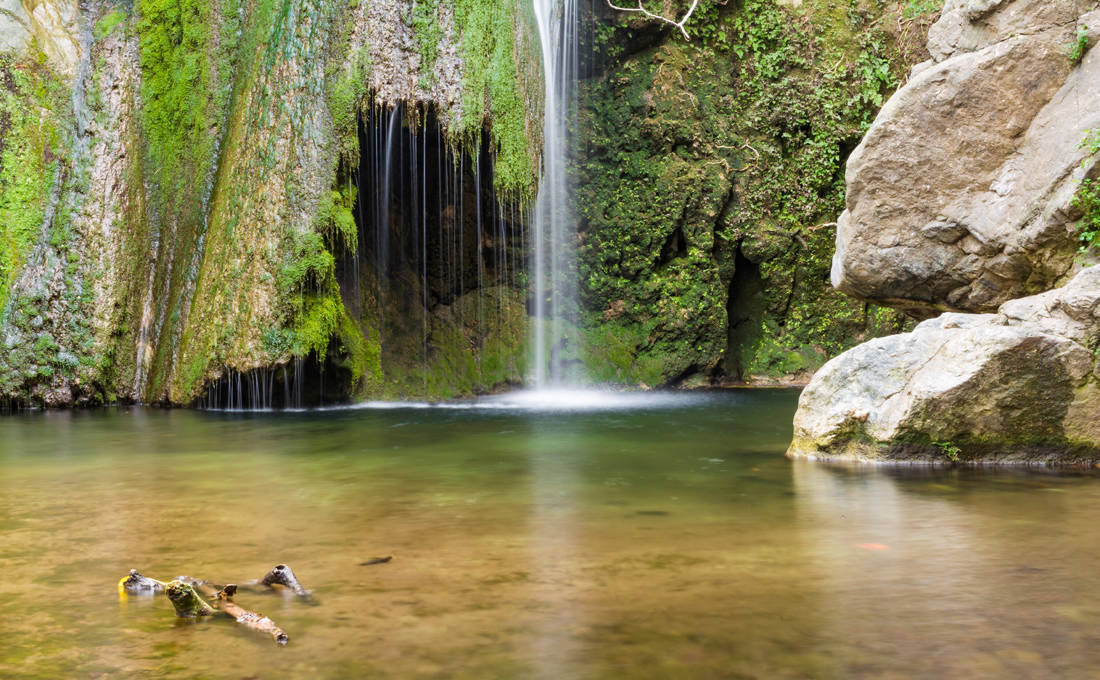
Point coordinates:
[[949, 450], [1076, 50], [1091, 142], [1088, 200]]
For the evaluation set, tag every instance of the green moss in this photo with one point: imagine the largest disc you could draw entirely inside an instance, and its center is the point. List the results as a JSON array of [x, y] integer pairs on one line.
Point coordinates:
[[346, 93], [335, 218], [31, 143], [428, 35], [179, 83], [107, 24], [492, 90], [919, 8], [722, 153]]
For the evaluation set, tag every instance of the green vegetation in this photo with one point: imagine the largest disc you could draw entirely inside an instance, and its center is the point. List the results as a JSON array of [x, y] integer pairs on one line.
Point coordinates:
[[1091, 142], [492, 86], [921, 8], [1087, 199], [715, 170], [949, 450], [712, 182], [179, 86], [1076, 50], [428, 35], [31, 100], [106, 25], [335, 219]]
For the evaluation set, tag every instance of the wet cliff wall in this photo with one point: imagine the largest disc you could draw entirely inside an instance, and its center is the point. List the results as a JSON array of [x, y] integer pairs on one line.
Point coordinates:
[[712, 178], [179, 200], [219, 201]]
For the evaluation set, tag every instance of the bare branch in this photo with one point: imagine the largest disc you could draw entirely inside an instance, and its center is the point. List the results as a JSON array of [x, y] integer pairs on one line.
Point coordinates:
[[678, 24]]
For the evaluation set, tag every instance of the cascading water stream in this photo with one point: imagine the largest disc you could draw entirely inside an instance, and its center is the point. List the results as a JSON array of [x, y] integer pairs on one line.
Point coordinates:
[[555, 284]]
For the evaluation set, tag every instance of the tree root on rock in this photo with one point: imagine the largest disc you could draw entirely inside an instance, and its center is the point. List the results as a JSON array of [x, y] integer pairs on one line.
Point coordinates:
[[186, 595]]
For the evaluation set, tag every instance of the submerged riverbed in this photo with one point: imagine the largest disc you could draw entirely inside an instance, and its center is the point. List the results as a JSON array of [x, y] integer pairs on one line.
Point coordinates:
[[662, 536]]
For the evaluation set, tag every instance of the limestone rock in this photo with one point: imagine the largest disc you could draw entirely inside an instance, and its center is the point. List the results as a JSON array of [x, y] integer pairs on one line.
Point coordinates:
[[959, 197], [51, 24], [1022, 384], [15, 26]]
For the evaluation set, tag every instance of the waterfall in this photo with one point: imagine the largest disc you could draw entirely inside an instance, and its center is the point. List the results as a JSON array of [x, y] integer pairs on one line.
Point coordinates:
[[555, 276]]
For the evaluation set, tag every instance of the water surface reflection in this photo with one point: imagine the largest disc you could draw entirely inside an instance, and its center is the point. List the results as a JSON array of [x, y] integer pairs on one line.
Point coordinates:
[[673, 540]]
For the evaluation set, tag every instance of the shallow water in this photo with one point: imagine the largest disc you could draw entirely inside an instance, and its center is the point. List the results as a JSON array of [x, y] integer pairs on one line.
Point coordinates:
[[661, 539]]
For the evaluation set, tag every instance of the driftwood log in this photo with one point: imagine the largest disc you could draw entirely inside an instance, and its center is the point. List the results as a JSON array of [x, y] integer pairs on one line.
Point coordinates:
[[248, 619], [186, 595]]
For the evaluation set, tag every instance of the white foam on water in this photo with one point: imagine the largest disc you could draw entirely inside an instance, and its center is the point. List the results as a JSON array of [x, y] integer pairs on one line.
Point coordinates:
[[550, 401]]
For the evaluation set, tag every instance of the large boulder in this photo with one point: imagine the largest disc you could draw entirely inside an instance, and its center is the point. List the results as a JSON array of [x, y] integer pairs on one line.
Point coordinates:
[[1022, 384], [960, 195]]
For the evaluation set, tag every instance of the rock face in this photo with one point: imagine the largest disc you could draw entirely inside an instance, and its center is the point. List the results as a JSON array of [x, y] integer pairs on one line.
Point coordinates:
[[709, 182], [959, 197], [1020, 384], [163, 226], [50, 24]]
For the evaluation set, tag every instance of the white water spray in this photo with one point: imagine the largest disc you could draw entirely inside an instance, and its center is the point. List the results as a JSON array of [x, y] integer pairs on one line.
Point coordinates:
[[555, 227]]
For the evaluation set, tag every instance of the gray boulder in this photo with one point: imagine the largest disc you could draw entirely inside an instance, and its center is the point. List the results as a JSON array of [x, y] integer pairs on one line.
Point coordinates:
[[1022, 384], [960, 195]]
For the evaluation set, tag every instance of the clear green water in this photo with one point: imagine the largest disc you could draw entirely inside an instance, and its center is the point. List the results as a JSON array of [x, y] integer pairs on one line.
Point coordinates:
[[668, 540]]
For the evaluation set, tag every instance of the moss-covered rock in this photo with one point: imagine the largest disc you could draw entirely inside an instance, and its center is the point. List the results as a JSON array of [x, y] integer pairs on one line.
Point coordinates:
[[711, 180]]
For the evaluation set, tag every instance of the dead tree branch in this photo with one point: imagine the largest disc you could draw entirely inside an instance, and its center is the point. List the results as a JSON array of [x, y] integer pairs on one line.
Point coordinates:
[[678, 24], [248, 619], [186, 595]]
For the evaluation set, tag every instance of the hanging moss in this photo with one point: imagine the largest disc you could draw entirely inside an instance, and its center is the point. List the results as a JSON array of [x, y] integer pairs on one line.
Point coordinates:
[[187, 54], [492, 88], [428, 35]]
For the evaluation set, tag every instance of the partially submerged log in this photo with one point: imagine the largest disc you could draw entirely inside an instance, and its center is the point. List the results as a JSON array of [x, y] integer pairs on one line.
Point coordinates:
[[376, 560], [186, 601], [249, 619], [184, 594], [283, 575], [136, 584]]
